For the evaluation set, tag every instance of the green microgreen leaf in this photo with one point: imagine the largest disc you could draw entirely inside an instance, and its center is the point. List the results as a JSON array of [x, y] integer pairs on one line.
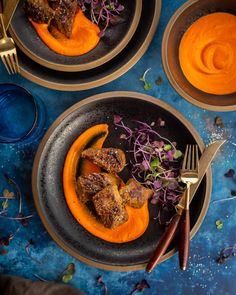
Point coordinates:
[[66, 278], [219, 224], [146, 85], [177, 154], [5, 204], [167, 147], [155, 163]]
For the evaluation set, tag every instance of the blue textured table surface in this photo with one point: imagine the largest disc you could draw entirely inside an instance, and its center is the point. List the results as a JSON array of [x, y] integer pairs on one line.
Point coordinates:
[[204, 275]]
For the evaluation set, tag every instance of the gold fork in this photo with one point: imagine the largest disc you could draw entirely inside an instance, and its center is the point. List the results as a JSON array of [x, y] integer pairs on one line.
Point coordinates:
[[189, 174], [7, 49]]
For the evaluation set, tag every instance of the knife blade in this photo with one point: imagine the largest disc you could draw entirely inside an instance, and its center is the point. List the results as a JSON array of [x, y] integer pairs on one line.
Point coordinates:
[[8, 11], [204, 163]]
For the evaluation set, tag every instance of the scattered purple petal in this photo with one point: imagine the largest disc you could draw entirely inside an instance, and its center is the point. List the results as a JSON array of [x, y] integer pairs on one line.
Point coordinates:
[[102, 283], [226, 253], [230, 173], [117, 119], [140, 287], [30, 243]]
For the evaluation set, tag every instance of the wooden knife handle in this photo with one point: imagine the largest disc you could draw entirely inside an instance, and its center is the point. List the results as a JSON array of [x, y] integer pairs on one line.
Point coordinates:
[[1, 6], [164, 242], [184, 239]]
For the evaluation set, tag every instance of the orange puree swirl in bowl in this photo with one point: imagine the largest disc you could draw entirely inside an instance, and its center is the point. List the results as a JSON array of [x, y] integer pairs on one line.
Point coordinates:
[[83, 39], [207, 53]]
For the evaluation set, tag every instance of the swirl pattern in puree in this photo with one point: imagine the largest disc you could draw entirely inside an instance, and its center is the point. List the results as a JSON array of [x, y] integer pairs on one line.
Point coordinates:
[[207, 53]]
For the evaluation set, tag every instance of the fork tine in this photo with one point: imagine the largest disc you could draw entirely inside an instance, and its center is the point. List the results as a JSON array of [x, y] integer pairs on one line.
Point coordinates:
[[193, 166], [13, 62], [189, 157], [8, 60], [185, 158], [17, 63], [5, 64], [197, 158]]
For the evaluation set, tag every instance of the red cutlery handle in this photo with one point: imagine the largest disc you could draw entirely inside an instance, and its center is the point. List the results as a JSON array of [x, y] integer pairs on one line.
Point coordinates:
[[164, 242], [184, 239]]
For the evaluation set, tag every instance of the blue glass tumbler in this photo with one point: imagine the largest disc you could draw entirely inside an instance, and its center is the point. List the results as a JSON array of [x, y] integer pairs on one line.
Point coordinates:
[[19, 114]]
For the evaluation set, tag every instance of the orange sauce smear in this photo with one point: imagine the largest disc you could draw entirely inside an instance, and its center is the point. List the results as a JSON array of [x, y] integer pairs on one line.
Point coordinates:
[[138, 218], [207, 53], [83, 39]]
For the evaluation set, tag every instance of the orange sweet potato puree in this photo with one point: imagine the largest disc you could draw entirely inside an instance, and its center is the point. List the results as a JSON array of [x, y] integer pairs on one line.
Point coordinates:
[[138, 218], [207, 53], [83, 39]]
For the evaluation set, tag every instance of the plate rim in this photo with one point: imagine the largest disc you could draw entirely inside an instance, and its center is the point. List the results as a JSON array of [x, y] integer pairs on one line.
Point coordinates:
[[98, 97], [165, 63], [108, 78], [89, 65]]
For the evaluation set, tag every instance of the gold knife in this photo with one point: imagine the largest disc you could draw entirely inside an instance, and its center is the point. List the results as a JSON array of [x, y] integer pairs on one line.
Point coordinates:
[[204, 163], [8, 11]]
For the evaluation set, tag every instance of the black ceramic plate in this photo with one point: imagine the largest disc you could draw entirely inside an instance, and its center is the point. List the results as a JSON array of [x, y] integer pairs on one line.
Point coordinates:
[[48, 168], [115, 39], [105, 73]]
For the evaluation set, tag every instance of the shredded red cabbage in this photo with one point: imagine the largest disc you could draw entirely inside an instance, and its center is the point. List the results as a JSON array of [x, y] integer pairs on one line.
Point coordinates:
[[102, 11], [154, 162]]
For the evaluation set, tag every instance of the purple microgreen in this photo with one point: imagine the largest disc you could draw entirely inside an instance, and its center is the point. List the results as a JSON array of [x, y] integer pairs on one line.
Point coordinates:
[[224, 200], [219, 122], [103, 284], [40, 278], [103, 12], [230, 173], [16, 218], [146, 85], [159, 81], [219, 224], [226, 253], [117, 119], [154, 162], [140, 287], [31, 243]]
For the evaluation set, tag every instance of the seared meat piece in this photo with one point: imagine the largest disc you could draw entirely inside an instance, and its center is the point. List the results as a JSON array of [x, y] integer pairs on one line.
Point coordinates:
[[93, 183], [135, 194], [64, 16], [109, 206], [54, 3], [111, 159], [39, 11]]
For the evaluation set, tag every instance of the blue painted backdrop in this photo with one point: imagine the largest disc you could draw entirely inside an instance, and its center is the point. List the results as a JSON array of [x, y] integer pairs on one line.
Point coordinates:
[[204, 275]]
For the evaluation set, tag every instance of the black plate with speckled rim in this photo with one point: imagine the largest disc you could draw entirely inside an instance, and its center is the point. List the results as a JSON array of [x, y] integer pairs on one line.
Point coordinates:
[[48, 168], [114, 41], [101, 75]]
